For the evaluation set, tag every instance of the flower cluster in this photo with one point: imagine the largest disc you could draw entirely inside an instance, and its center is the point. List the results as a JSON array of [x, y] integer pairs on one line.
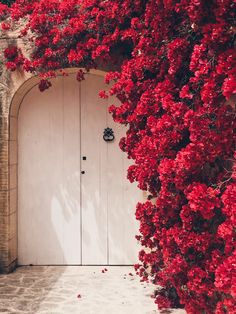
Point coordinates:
[[176, 77], [3, 10], [14, 57]]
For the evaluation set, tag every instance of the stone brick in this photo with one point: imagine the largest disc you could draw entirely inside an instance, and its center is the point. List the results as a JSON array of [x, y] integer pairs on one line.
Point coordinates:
[[4, 203], [13, 201], [4, 127], [4, 243], [9, 84], [13, 176], [3, 154], [13, 128], [12, 226], [4, 178], [13, 249], [13, 152]]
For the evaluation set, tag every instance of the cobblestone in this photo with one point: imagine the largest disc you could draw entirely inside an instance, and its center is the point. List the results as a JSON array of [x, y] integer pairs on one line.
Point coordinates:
[[55, 290]]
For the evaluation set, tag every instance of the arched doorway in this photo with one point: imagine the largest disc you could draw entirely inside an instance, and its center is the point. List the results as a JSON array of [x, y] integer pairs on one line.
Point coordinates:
[[75, 205]]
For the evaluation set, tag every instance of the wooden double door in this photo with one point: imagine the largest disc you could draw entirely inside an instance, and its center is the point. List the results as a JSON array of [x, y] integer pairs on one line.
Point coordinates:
[[75, 205]]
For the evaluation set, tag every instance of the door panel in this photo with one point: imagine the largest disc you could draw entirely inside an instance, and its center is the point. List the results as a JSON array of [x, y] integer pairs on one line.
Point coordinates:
[[108, 199], [70, 191], [49, 175], [93, 182], [122, 199]]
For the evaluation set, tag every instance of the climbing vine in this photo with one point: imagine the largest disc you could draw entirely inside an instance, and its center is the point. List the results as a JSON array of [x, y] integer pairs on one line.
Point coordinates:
[[176, 84]]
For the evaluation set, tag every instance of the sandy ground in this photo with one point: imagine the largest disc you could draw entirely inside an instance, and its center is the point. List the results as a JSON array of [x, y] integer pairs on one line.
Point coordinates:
[[76, 290]]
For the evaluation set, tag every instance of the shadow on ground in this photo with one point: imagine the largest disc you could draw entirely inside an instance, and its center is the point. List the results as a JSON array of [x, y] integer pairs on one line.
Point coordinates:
[[55, 290]]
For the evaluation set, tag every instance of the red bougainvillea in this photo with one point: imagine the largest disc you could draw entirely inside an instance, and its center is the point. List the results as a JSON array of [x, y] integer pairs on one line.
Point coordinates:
[[176, 75]]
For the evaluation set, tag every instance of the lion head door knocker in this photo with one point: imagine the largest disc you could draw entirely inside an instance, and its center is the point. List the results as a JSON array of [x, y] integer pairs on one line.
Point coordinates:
[[108, 135]]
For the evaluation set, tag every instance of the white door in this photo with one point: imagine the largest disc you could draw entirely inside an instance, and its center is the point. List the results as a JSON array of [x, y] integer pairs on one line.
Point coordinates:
[[66, 216]]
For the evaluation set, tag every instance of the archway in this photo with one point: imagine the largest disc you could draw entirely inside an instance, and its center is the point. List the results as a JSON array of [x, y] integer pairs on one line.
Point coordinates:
[[117, 237]]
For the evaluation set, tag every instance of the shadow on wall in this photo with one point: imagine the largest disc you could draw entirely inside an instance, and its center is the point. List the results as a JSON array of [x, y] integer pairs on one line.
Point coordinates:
[[49, 177]]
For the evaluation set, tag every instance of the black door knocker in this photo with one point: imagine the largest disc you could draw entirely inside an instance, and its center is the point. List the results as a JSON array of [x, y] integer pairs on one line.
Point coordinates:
[[108, 135]]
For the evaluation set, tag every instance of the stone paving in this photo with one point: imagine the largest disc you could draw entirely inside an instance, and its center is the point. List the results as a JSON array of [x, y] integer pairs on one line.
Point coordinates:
[[75, 290]]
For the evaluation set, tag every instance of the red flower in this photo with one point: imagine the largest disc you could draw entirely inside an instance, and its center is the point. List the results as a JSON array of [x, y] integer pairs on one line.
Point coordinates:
[[203, 199], [80, 75], [11, 53], [3, 10], [5, 26], [11, 66], [229, 86], [103, 94], [44, 84]]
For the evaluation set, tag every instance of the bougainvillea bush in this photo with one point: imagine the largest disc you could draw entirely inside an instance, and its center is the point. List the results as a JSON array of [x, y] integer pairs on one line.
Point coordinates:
[[176, 82]]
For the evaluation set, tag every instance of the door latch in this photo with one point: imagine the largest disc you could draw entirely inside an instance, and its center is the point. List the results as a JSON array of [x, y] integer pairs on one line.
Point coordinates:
[[108, 135]]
